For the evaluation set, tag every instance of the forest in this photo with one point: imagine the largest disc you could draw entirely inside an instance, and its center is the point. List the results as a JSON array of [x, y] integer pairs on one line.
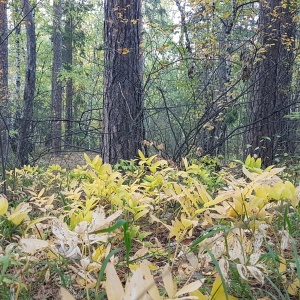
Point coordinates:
[[149, 149]]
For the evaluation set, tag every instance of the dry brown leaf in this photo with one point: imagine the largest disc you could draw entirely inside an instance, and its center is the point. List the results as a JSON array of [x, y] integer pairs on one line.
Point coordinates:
[[242, 271], [114, 288], [194, 286], [65, 295], [224, 268], [30, 246], [151, 286], [168, 281], [256, 273], [136, 286], [193, 260]]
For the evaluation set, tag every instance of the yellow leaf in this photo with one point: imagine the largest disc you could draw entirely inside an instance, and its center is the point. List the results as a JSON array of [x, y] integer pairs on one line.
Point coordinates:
[[88, 160], [99, 253], [238, 205], [133, 267], [123, 51], [293, 288], [140, 214], [186, 223], [19, 213], [218, 293], [220, 198], [141, 155], [282, 265], [203, 193], [3, 205], [289, 191]]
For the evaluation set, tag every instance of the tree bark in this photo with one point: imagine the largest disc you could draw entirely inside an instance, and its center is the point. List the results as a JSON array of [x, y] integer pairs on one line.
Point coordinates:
[[270, 133], [123, 128], [56, 94], [3, 87], [24, 144], [68, 47], [3, 55]]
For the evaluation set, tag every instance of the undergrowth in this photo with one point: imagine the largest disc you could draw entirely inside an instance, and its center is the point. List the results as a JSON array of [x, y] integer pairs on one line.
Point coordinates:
[[147, 230]]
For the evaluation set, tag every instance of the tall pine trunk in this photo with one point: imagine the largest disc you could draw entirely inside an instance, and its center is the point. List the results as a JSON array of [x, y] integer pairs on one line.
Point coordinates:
[[56, 82], [68, 61], [3, 55], [24, 146], [3, 87], [270, 133], [123, 75]]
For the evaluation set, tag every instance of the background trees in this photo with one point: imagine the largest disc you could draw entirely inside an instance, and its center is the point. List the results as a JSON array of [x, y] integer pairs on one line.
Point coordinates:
[[196, 78], [270, 133]]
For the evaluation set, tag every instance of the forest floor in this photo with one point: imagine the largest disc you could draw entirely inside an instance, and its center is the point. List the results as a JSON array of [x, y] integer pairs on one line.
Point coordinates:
[[198, 232]]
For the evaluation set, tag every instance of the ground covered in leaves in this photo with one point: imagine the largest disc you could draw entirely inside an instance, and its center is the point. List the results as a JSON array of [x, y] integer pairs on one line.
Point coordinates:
[[147, 230]]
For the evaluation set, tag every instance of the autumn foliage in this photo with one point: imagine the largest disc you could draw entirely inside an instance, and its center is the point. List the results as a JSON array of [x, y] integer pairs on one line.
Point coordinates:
[[145, 230]]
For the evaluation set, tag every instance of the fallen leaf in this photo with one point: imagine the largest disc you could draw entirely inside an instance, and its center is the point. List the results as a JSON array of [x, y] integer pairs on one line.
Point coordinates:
[[293, 288], [194, 286], [65, 295], [114, 288], [30, 246], [168, 280]]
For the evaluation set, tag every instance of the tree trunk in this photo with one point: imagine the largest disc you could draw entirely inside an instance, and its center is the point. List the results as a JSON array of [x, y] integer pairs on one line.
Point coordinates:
[[56, 94], [270, 134], [3, 55], [3, 87], [123, 92], [68, 47], [24, 144]]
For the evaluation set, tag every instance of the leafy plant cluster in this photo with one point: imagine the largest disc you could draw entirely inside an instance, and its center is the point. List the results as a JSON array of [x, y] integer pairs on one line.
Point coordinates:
[[146, 230]]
